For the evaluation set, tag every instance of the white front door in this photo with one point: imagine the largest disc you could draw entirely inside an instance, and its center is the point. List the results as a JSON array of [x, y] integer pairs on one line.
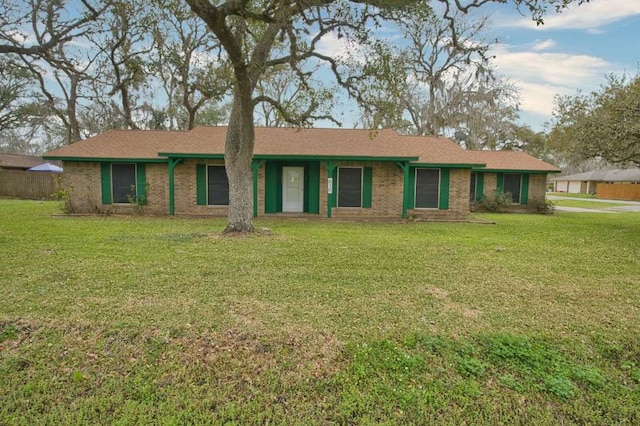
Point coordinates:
[[292, 189]]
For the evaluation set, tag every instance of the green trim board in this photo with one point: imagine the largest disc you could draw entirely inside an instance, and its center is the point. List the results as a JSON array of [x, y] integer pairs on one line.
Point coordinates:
[[531, 172], [446, 166], [292, 157], [191, 156], [406, 188], [107, 160]]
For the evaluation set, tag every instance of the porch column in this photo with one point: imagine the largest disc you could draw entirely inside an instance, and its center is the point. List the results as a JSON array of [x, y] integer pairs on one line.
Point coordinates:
[[173, 162], [404, 166]]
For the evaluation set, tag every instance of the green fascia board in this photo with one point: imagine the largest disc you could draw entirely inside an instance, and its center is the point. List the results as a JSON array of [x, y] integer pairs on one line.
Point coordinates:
[[107, 160], [447, 165], [293, 157], [331, 158], [194, 156], [531, 172]]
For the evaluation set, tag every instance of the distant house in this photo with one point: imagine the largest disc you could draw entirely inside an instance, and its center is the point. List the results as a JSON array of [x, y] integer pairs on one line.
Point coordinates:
[[587, 183], [17, 182], [19, 162], [315, 172], [619, 184]]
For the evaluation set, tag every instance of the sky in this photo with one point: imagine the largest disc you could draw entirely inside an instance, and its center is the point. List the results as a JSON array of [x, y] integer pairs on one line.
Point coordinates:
[[572, 51]]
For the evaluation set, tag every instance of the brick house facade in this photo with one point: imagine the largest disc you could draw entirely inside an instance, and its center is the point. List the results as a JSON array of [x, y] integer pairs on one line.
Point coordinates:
[[316, 172]]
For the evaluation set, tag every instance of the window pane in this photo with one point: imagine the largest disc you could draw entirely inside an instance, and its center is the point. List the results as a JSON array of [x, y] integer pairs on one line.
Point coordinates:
[[218, 186], [123, 182], [512, 185], [349, 187], [427, 188]]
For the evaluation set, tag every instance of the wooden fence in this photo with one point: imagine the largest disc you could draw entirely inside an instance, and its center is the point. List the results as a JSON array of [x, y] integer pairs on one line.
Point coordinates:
[[21, 184], [619, 191]]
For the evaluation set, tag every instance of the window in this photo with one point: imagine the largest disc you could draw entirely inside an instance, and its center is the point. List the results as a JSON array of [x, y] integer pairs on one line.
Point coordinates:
[[427, 188], [472, 188], [350, 187], [512, 184], [123, 182], [217, 186]]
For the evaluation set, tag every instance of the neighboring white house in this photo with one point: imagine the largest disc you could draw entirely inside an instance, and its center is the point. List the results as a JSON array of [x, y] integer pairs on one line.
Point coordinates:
[[587, 183]]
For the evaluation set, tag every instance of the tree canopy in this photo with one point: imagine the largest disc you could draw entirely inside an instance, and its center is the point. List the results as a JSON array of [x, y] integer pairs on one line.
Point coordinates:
[[603, 125]]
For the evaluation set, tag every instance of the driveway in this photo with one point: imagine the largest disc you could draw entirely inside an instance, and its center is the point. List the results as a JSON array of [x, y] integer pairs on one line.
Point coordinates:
[[629, 206]]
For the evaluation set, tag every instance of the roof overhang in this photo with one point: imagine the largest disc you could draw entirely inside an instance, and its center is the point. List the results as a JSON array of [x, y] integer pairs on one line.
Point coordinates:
[[289, 157], [107, 159], [515, 171]]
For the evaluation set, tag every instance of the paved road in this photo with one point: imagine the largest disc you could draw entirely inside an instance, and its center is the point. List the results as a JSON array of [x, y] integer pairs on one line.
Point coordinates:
[[630, 206]]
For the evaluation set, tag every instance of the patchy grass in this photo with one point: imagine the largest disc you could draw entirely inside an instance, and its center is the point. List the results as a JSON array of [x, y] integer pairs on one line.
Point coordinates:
[[162, 320]]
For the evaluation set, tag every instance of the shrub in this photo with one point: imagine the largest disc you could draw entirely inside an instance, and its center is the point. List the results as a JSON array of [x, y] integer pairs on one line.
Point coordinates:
[[496, 202], [541, 205]]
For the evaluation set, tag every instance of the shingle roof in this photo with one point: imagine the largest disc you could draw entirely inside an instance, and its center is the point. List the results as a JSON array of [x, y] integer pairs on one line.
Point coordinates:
[[512, 160], [617, 175], [16, 161], [316, 142]]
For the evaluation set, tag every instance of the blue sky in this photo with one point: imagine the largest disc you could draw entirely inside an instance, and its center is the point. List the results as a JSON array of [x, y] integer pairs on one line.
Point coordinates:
[[572, 51]]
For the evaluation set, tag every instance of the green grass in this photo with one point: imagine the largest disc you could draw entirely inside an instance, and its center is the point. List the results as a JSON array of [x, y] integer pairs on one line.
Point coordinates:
[[135, 320], [572, 195], [587, 204]]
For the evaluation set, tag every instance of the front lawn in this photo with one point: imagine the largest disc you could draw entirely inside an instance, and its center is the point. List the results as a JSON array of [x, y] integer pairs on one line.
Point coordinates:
[[138, 320]]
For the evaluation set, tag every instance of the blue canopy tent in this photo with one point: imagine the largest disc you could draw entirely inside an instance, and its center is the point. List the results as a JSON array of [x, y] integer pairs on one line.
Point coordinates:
[[46, 167]]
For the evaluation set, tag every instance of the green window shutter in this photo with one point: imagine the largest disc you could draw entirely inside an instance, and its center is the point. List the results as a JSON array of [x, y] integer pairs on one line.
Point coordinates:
[[105, 178], [524, 192], [479, 186], [141, 183], [500, 182], [367, 187], [444, 189], [313, 188], [271, 187], [201, 184]]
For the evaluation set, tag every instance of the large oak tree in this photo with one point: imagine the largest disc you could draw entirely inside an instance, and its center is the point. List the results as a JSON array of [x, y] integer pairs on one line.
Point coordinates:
[[257, 35]]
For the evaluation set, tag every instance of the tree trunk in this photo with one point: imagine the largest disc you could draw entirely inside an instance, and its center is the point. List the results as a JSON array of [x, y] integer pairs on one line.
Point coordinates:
[[238, 156]]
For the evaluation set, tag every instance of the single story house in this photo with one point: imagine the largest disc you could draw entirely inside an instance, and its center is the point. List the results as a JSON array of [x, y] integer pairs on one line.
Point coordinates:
[[19, 162], [587, 182], [16, 181], [322, 172]]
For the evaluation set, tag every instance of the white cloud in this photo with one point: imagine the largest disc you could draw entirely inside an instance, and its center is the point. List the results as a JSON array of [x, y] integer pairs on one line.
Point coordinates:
[[339, 47], [542, 75], [555, 68], [589, 16], [543, 44]]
